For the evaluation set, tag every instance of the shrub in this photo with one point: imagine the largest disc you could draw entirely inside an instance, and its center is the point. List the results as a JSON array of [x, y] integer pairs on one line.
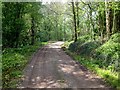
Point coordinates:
[[73, 46], [109, 53], [88, 47], [115, 38], [81, 40]]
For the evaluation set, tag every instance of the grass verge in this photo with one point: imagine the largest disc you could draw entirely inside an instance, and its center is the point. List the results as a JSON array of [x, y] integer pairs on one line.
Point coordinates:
[[13, 62]]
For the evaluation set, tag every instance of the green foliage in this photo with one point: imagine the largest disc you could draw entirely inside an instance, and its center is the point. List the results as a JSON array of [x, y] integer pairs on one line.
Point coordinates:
[[81, 40], [17, 23], [109, 49], [109, 53], [13, 23], [66, 44], [92, 64], [88, 47], [84, 45], [101, 58], [73, 46], [14, 61], [26, 23], [115, 38]]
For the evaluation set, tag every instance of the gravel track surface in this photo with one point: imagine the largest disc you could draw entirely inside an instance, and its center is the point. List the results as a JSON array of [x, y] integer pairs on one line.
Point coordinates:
[[51, 67]]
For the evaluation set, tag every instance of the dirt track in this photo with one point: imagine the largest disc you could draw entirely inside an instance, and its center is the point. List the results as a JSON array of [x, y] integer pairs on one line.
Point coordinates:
[[50, 67]]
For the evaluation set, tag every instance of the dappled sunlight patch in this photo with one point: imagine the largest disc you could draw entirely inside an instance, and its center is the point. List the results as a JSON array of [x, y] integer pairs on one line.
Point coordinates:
[[91, 77], [66, 68], [102, 86], [48, 83], [32, 66], [71, 69], [60, 60], [56, 44], [78, 73]]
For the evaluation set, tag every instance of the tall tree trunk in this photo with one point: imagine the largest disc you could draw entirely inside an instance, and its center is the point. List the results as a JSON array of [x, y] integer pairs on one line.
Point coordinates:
[[64, 31], [117, 18], [56, 28], [109, 19], [77, 3], [92, 24], [17, 25], [32, 31], [114, 24], [74, 18], [100, 20]]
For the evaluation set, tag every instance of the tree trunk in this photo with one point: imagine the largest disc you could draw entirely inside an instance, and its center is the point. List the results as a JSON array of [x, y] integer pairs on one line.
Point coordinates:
[[17, 25], [77, 3], [109, 19], [74, 18], [92, 24], [117, 19], [32, 31], [64, 31]]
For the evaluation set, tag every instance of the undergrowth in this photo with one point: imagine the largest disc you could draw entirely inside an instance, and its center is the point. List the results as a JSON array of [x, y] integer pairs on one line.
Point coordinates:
[[13, 62], [103, 59], [92, 64]]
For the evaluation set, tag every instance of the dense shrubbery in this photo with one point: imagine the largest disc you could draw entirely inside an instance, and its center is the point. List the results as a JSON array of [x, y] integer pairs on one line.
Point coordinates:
[[115, 38], [109, 49], [96, 55], [88, 47], [107, 54], [84, 45], [81, 40], [73, 46], [13, 62]]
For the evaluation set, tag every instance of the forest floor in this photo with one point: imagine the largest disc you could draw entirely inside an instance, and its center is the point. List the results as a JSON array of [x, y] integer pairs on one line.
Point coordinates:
[[51, 67]]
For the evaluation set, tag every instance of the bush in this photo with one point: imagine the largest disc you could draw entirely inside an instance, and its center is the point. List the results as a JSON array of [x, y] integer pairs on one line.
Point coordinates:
[[73, 46], [115, 38], [110, 49], [81, 40], [104, 57], [109, 53], [88, 47]]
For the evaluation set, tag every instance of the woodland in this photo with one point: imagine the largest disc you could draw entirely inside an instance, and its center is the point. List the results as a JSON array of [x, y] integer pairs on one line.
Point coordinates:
[[90, 31]]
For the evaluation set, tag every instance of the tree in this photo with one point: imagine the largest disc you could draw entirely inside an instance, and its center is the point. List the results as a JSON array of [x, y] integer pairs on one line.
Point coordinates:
[[109, 19], [13, 23], [20, 25], [74, 18], [35, 18]]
